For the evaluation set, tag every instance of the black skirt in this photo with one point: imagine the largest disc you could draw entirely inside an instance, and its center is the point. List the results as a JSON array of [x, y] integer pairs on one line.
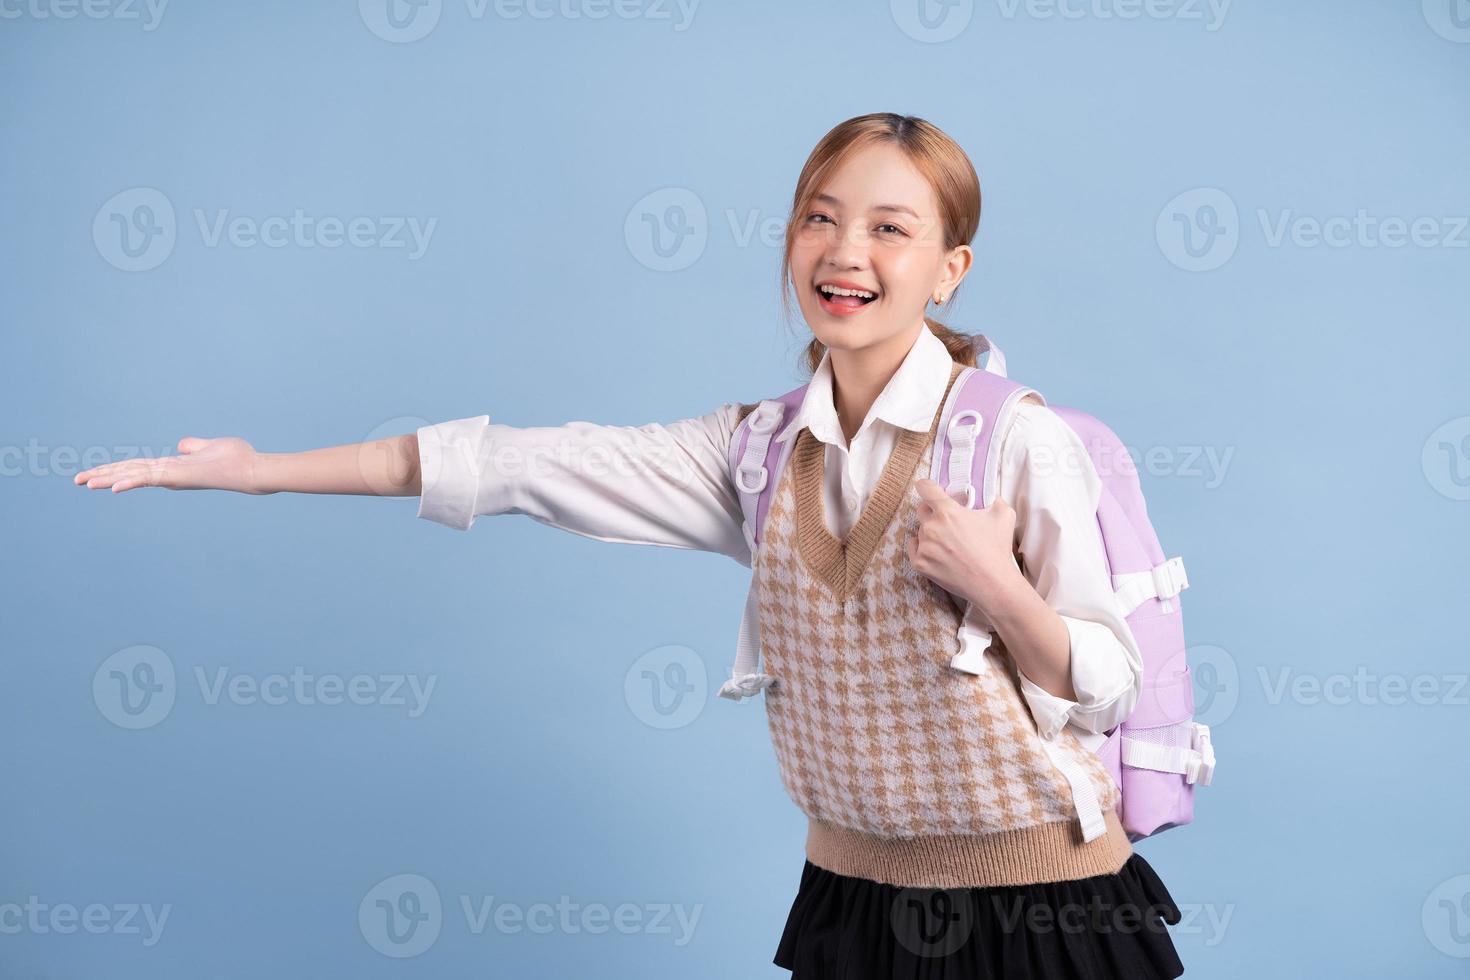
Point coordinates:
[[1107, 927]]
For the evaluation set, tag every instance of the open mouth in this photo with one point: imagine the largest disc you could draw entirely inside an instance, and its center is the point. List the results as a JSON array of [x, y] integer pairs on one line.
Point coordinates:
[[837, 299]]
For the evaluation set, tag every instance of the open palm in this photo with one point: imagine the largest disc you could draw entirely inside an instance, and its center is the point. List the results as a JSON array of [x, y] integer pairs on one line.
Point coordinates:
[[226, 463]]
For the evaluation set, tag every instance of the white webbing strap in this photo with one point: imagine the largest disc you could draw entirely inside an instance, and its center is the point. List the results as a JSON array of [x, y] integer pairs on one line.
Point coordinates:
[[1163, 581], [751, 477], [744, 680], [974, 635], [1195, 762], [962, 454], [1084, 793]]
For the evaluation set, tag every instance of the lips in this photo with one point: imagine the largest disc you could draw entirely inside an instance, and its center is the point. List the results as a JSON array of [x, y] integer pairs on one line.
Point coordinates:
[[843, 305]]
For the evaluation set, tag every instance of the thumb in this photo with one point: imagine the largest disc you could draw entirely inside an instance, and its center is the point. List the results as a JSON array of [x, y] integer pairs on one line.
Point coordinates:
[[190, 444]]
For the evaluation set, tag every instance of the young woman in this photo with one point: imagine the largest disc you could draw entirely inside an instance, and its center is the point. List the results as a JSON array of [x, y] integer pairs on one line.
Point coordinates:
[[942, 841]]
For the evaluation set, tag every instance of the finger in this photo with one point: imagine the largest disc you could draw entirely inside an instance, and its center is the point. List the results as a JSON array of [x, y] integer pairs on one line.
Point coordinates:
[[190, 444], [931, 492], [96, 471]]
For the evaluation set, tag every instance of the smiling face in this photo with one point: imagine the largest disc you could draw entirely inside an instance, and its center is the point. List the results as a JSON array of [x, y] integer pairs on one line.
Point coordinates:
[[873, 228]]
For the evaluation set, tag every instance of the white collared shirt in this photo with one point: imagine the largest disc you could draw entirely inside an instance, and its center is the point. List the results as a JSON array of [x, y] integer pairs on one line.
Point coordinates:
[[668, 484]]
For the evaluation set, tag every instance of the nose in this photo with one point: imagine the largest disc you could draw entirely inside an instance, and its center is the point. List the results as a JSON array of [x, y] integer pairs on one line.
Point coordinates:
[[847, 246]]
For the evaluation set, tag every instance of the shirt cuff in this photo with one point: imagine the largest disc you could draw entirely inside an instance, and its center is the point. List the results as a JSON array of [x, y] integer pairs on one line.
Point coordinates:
[[449, 471], [1050, 711]]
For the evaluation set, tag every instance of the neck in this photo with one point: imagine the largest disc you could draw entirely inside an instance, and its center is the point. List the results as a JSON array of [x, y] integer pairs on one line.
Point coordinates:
[[859, 376]]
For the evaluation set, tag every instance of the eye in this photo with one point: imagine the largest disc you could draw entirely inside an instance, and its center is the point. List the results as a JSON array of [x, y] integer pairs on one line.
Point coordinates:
[[816, 214], [896, 228]]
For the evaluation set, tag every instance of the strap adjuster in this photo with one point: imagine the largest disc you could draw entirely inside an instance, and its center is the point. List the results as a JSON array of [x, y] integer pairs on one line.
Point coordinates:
[[1169, 578], [1202, 759]]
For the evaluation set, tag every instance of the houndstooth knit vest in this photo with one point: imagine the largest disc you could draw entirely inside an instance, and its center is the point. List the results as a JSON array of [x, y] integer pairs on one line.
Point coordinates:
[[909, 771]]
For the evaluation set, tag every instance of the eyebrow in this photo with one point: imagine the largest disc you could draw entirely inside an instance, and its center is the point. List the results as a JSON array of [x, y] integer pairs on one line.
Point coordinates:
[[899, 208]]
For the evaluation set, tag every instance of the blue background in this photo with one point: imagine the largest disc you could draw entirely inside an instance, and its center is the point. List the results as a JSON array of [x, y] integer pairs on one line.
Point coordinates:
[[1332, 839]]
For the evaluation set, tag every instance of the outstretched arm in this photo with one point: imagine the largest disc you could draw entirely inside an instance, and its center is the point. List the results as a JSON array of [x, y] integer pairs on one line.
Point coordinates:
[[381, 467]]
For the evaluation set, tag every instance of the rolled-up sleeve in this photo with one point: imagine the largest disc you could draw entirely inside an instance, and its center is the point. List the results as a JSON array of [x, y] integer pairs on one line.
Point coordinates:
[[1051, 482], [665, 484], [450, 469]]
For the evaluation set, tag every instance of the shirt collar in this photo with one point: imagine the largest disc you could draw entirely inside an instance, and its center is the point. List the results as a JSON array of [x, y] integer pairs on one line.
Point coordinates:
[[909, 400]]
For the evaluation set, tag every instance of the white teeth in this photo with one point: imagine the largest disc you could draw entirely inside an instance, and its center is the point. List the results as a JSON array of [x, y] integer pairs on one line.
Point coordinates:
[[839, 291]]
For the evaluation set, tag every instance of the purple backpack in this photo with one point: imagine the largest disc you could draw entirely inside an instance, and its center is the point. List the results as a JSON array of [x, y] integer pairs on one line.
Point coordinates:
[[1159, 753]]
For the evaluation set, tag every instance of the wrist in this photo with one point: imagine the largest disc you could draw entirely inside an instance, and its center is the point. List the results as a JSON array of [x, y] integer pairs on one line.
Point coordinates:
[[259, 473], [1005, 597]]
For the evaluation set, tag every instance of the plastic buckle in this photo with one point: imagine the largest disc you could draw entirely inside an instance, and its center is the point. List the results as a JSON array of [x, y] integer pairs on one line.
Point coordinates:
[[763, 419], [741, 475], [1169, 578], [969, 491], [967, 438], [1201, 764]]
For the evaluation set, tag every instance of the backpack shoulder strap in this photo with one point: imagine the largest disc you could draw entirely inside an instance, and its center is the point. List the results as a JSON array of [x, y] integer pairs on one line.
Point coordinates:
[[966, 458], [755, 474], [752, 469]]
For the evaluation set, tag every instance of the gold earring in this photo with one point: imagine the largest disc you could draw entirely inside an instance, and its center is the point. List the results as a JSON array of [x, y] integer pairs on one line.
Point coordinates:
[[940, 299]]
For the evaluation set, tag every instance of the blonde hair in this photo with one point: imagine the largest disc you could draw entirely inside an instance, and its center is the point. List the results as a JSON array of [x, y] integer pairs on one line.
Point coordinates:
[[939, 158]]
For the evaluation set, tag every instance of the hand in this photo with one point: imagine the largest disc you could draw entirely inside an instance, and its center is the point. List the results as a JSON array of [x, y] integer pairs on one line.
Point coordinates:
[[227, 463], [967, 552]]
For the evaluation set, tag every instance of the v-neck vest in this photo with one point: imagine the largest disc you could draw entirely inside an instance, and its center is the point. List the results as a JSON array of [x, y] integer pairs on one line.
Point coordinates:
[[909, 771]]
